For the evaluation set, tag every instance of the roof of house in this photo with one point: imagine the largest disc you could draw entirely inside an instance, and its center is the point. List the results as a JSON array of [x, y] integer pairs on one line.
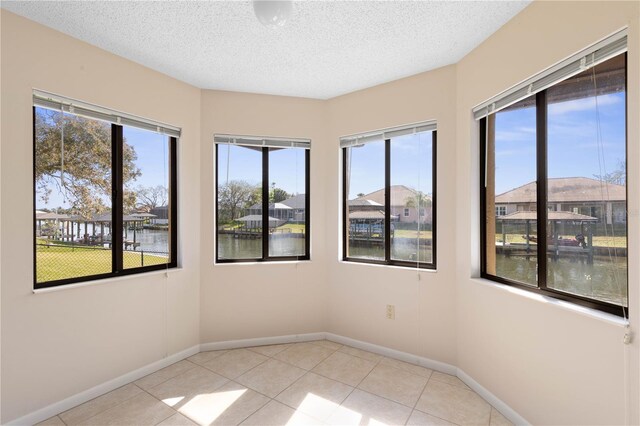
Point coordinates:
[[367, 214], [295, 202], [563, 216], [571, 189], [399, 195], [363, 202]]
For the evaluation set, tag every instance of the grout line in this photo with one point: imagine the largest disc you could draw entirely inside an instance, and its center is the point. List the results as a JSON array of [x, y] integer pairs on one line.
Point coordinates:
[[165, 404], [102, 411]]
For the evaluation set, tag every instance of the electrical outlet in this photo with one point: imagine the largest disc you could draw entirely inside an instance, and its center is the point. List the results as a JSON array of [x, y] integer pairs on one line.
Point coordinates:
[[391, 312]]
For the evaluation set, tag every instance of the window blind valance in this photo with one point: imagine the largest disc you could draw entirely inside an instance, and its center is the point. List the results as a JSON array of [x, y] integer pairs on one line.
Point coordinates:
[[587, 58], [258, 141], [60, 103], [393, 132]]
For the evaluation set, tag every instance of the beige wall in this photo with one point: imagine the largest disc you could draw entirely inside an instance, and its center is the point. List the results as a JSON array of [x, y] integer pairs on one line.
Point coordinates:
[[551, 364], [57, 344], [240, 301], [425, 323]]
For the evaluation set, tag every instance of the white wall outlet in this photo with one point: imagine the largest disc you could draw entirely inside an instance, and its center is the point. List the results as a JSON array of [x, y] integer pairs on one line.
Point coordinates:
[[391, 312]]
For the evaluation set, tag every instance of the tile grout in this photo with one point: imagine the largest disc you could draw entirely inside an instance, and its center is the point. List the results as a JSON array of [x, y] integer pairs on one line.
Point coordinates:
[[376, 364]]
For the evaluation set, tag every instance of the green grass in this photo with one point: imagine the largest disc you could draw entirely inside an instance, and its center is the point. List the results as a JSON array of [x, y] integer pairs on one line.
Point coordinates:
[[408, 233], [57, 263], [294, 228]]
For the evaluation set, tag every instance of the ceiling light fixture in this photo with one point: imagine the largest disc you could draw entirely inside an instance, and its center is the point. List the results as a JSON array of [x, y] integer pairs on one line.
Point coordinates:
[[272, 14]]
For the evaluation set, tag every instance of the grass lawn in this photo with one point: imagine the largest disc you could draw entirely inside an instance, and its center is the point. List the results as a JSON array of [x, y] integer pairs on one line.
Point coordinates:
[[409, 233], [294, 228], [57, 263]]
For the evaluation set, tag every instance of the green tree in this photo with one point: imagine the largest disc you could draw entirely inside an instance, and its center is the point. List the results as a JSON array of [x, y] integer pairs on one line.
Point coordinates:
[[150, 197], [79, 168], [277, 194], [419, 200], [233, 197]]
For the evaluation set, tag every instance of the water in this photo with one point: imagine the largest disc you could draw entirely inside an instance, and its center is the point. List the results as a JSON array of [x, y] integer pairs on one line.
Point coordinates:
[[240, 248], [605, 279], [401, 249], [151, 240]]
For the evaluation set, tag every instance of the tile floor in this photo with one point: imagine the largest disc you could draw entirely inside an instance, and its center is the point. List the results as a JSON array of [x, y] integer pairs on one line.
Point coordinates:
[[311, 383]]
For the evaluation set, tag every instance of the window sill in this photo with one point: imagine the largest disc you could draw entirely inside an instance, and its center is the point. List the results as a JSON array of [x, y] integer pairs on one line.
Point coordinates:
[[406, 268], [268, 262], [170, 271], [561, 304]]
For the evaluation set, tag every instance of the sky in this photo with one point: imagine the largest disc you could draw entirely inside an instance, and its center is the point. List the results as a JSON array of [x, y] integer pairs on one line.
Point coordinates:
[[582, 141], [574, 145], [411, 159], [286, 167], [152, 152]]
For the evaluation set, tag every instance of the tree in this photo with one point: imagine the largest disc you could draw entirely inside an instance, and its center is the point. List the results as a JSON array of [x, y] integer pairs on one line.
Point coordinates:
[[618, 176], [233, 197], [418, 201], [360, 194], [277, 194], [150, 197], [80, 168]]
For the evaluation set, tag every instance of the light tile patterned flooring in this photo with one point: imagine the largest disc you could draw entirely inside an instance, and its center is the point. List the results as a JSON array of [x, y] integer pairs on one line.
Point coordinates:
[[311, 383]]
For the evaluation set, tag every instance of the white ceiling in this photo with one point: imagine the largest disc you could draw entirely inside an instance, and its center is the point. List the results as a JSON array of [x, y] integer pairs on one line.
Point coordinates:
[[325, 50]]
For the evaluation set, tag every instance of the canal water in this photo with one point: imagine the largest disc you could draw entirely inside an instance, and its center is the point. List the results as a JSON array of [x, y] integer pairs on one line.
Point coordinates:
[[605, 279], [241, 248]]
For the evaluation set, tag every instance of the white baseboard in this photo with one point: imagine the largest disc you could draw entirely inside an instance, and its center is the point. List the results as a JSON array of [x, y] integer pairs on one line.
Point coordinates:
[[392, 353], [66, 404], [506, 411], [443, 367], [261, 341], [96, 391]]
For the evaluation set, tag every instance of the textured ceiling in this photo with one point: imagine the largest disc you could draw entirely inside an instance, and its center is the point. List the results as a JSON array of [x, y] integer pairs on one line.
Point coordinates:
[[325, 50]]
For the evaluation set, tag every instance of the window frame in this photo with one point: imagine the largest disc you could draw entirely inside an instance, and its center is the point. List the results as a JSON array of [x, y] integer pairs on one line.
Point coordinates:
[[265, 211], [542, 210], [388, 261], [117, 190]]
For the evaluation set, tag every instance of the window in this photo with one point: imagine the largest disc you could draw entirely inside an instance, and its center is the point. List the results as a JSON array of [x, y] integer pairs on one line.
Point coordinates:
[[261, 181], [105, 193], [389, 181], [561, 152], [501, 210]]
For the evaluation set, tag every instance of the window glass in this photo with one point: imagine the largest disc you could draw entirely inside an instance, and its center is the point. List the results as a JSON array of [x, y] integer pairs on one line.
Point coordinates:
[[146, 216], [365, 183], [411, 192], [287, 202], [511, 199], [568, 144], [73, 195], [586, 186], [239, 202]]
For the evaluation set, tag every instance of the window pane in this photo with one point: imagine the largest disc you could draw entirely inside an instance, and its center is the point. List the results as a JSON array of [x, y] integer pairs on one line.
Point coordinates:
[[287, 229], [239, 202], [365, 197], [411, 191], [586, 191], [146, 233], [73, 196], [511, 196]]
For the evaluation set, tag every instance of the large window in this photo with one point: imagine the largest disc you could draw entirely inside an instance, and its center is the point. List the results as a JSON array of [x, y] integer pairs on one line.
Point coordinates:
[[389, 197], [553, 188], [105, 193], [261, 181]]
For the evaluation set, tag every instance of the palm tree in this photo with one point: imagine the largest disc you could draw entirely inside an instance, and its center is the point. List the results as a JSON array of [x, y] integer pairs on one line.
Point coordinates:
[[418, 201]]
